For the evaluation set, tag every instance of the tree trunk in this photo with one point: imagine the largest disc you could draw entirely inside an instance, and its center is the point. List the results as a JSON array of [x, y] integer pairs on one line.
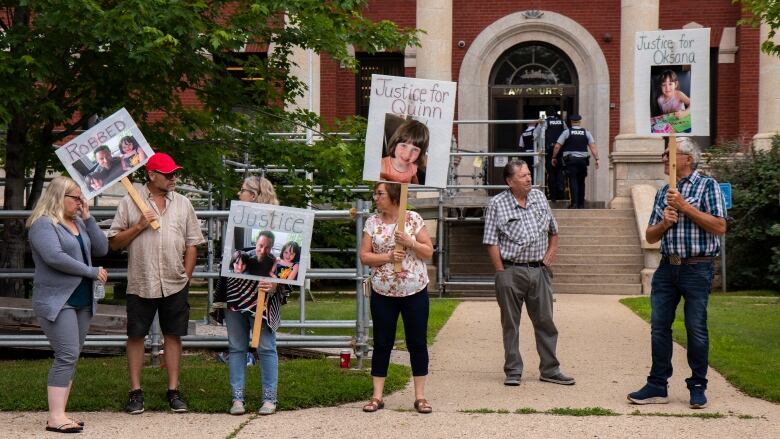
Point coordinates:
[[14, 233]]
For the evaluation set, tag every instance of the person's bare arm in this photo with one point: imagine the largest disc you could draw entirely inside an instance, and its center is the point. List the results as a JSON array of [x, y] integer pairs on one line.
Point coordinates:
[[655, 232], [594, 153], [190, 256], [552, 250], [710, 223], [367, 255], [495, 257]]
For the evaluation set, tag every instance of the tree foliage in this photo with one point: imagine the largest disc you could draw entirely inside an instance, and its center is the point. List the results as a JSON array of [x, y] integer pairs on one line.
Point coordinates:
[[62, 62], [767, 11], [753, 237]]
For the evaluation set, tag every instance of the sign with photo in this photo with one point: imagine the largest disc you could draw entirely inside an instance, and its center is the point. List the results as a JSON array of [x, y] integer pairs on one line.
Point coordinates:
[[105, 153], [267, 242], [409, 130], [672, 82]]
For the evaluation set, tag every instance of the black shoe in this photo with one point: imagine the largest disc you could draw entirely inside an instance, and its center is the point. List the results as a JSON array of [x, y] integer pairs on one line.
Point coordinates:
[[135, 406], [559, 378], [512, 380], [174, 400]]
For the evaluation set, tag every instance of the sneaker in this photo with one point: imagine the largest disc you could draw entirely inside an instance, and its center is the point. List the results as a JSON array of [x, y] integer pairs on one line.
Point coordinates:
[[649, 395], [512, 381], [237, 408], [558, 378], [268, 408], [135, 406], [698, 399], [174, 400]]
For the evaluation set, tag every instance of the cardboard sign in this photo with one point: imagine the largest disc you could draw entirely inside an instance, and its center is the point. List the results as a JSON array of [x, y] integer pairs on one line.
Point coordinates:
[[105, 153], [403, 114], [672, 82], [267, 242]]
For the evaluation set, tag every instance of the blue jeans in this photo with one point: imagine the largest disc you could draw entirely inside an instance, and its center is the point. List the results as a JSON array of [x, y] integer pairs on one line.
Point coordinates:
[[692, 282], [239, 326]]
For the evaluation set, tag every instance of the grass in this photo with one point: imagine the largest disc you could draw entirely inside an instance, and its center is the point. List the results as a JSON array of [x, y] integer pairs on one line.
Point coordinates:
[[342, 307], [744, 342], [702, 415], [101, 384], [559, 411]]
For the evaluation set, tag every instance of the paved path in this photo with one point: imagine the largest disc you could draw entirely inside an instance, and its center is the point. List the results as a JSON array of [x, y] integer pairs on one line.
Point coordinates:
[[602, 344]]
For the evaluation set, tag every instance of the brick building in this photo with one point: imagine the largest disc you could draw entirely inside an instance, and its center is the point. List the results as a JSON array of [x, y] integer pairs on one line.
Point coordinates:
[[498, 53]]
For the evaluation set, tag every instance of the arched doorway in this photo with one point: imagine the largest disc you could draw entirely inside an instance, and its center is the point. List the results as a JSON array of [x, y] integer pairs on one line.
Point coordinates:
[[527, 81]]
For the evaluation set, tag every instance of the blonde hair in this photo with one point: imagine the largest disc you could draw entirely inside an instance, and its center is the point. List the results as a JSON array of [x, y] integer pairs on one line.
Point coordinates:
[[263, 189], [52, 201]]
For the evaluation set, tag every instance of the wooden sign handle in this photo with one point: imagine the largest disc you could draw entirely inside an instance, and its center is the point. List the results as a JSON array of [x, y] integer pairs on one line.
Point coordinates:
[[138, 200], [401, 222], [672, 161], [258, 323]]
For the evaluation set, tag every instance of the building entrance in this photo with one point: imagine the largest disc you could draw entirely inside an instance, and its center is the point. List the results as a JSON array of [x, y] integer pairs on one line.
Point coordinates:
[[528, 81]]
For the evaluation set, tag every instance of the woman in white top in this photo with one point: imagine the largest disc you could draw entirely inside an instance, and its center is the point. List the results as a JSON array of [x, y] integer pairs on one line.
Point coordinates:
[[394, 293]]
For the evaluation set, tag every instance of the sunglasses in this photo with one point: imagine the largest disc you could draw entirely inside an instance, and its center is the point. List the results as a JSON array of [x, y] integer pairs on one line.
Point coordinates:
[[169, 175]]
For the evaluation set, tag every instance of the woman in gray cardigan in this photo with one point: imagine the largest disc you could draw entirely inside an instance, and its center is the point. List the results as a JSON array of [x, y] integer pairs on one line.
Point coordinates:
[[63, 238]]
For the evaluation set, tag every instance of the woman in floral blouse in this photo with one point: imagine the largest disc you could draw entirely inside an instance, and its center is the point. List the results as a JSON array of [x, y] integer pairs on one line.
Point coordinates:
[[394, 293]]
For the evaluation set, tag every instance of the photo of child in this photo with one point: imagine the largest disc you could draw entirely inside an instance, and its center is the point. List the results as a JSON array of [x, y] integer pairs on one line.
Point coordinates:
[[131, 152], [670, 104], [404, 156], [286, 267]]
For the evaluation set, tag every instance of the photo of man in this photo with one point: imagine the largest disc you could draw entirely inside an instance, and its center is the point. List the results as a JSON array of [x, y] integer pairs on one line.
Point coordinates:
[[273, 254], [109, 168]]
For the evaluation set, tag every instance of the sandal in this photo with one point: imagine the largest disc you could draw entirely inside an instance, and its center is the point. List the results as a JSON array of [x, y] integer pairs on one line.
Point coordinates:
[[422, 406], [78, 422], [373, 405], [68, 427]]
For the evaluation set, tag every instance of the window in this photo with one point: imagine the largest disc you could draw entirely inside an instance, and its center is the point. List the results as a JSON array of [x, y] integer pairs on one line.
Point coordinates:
[[391, 64], [533, 64]]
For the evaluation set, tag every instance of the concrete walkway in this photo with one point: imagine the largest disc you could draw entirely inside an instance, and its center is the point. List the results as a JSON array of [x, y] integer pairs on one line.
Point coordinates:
[[602, 344]]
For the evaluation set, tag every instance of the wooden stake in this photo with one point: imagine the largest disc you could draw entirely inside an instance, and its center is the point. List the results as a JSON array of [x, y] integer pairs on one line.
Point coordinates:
[[258, 323], [672, 162], [400, 224], [138, 200]]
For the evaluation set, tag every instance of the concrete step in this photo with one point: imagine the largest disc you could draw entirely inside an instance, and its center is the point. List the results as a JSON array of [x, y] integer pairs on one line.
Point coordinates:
[[466, 265], [596, 278], [595, 222], [589, 250], [601, 239], [593, 213], [618, 289], [567, 258], [596, 268], [578, 229]]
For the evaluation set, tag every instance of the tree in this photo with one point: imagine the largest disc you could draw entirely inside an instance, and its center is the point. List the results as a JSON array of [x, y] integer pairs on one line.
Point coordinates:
[[61, 63], [767, 11]]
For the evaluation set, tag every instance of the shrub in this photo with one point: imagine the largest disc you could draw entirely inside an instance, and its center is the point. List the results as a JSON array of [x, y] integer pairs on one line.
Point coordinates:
[[753, 237]]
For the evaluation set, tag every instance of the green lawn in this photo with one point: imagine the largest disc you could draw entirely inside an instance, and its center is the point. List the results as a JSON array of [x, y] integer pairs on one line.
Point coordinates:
[[101, 384], [744, 338], [342, 307]]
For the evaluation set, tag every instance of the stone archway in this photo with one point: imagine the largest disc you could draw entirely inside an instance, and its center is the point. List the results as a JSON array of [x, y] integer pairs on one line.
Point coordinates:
[[568, 36]]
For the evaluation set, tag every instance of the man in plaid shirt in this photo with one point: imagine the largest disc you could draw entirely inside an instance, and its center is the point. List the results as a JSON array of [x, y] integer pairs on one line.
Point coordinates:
[[522, 238], [687, 220]]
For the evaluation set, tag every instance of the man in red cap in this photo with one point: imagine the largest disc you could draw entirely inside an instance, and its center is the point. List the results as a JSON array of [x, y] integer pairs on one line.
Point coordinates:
[[160, 265]]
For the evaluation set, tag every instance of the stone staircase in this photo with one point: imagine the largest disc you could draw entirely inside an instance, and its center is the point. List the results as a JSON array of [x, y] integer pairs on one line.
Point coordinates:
[[598, 253]]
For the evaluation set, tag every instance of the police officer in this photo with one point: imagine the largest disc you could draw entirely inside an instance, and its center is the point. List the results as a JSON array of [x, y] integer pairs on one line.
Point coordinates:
[[527, 145], [576, 141], [552, 130]]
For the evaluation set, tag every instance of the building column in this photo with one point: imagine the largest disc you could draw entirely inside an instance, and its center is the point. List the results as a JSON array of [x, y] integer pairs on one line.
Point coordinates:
[[768, 95], [434, 56], [306, 67], [635, 159]]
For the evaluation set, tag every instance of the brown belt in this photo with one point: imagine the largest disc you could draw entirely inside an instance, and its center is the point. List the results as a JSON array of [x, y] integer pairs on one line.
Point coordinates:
[[676, 260]]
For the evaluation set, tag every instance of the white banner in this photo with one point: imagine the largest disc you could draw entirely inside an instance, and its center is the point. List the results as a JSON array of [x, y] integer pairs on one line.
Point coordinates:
[[672, 82], [409, 130], [105, 153]]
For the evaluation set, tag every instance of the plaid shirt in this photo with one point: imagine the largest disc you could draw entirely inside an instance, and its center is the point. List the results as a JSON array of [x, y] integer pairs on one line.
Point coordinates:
[[521, 233], [686, 239]]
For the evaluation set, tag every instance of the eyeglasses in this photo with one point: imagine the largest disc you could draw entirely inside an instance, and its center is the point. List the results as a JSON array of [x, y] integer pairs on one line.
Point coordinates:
[[247, 190], [665, 155], [169, 175], [74, 198], [378, 194]]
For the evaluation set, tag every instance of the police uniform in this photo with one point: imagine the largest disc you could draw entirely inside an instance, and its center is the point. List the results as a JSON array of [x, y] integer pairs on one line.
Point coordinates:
[[574, 142], [527, 145], [552, 131]]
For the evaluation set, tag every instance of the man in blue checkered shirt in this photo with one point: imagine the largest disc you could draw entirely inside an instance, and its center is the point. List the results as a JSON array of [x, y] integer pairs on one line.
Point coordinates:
[[522, 239], [687, 220]]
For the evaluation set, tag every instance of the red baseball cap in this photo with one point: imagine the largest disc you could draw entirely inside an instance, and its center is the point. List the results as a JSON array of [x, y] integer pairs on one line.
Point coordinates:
[[162, 162]]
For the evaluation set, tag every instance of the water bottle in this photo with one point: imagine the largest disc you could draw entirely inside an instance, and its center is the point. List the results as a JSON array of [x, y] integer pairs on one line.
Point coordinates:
[[98, 288]]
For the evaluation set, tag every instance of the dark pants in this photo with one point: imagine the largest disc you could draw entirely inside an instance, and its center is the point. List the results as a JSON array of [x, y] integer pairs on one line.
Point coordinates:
[[671, 283], [555, 183], [577, 168], [414, 312]]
